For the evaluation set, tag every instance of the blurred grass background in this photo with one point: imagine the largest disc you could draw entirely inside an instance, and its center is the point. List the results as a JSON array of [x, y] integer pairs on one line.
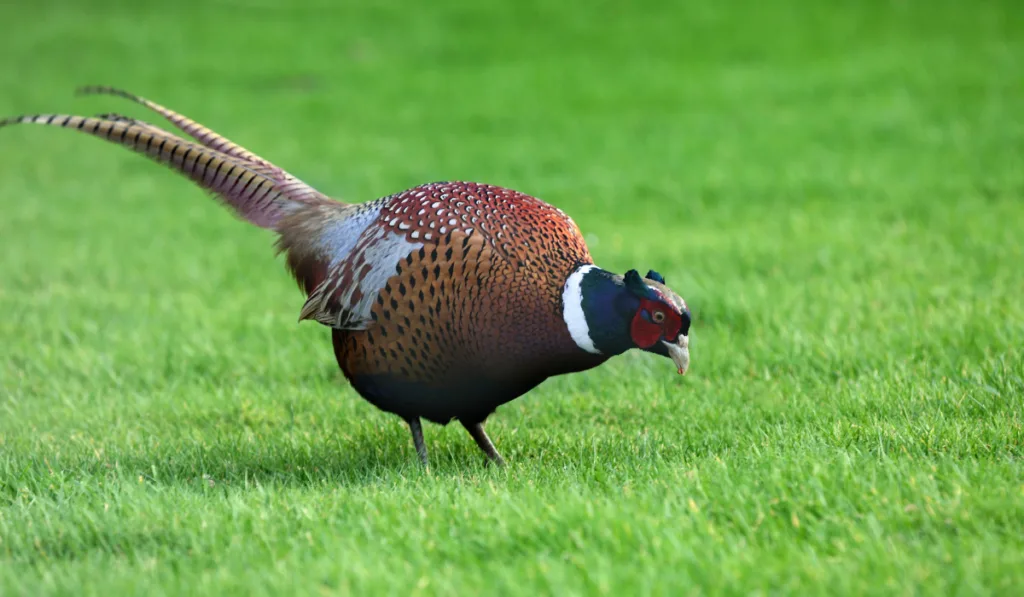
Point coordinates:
[[836, 188]]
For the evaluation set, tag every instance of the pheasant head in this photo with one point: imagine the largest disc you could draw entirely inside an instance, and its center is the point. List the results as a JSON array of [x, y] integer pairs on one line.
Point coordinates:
[[608, 314]]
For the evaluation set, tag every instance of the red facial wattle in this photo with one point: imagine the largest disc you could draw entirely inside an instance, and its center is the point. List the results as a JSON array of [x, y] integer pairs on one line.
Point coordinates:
[[646, 332]]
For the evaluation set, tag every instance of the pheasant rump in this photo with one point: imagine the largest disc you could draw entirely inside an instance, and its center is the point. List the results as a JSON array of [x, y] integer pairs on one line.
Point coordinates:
[[444, 301]]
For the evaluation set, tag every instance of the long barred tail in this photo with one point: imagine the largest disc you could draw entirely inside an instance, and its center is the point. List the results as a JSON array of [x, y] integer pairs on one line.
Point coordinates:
[[200, 133], [254, 188]]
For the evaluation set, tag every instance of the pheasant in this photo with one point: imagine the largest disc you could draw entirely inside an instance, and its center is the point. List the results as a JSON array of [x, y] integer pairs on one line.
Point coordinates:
[[445, 300]]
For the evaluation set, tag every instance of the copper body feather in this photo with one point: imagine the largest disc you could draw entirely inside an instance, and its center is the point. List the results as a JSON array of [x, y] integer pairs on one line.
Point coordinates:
[[472, 318]]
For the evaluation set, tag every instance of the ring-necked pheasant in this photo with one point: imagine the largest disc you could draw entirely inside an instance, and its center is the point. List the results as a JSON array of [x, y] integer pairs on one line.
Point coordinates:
[[446, 300]]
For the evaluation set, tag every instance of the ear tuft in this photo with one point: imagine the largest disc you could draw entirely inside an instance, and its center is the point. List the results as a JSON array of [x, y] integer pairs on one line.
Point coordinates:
[[635, 284], [653, 275]]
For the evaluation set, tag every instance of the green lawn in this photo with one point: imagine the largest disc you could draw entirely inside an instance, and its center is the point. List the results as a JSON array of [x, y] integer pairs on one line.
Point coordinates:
[[837, 188]]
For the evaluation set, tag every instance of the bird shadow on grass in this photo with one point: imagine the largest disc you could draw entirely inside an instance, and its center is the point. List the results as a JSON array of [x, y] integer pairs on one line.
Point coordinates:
[[367, 456]]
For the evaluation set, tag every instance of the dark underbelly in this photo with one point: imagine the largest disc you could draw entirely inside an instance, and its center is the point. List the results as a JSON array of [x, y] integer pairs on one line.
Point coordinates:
[[471, 400], [454, 386]]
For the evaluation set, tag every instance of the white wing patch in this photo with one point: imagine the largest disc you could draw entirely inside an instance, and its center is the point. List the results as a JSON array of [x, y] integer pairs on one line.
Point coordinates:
[[340, 238], [383, 251], [356, 275]]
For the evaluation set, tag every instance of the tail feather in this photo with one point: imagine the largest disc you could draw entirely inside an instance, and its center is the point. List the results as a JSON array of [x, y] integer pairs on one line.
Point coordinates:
[[270, 171], [310, 225], [115, 117], [250, 190], [288, 184]]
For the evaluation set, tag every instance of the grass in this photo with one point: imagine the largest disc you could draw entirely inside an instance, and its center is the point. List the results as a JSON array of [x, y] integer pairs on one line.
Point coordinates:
[[836, 188]]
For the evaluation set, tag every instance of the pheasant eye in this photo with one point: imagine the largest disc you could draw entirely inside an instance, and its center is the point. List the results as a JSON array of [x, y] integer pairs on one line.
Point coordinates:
[[658, 317]]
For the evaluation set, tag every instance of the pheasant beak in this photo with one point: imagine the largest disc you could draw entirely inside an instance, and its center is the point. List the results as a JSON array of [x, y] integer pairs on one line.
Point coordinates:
[[679, 352]]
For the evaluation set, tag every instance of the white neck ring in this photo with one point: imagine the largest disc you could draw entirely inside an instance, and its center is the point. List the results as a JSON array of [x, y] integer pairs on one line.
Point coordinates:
[[572, 310]]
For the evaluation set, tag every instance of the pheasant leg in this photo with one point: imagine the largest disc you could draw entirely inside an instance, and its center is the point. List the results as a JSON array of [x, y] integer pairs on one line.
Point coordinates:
[[480, 436], [417, 439]]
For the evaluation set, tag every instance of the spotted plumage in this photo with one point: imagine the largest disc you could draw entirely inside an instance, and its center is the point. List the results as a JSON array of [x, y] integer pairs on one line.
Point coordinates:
[[445, 300]]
